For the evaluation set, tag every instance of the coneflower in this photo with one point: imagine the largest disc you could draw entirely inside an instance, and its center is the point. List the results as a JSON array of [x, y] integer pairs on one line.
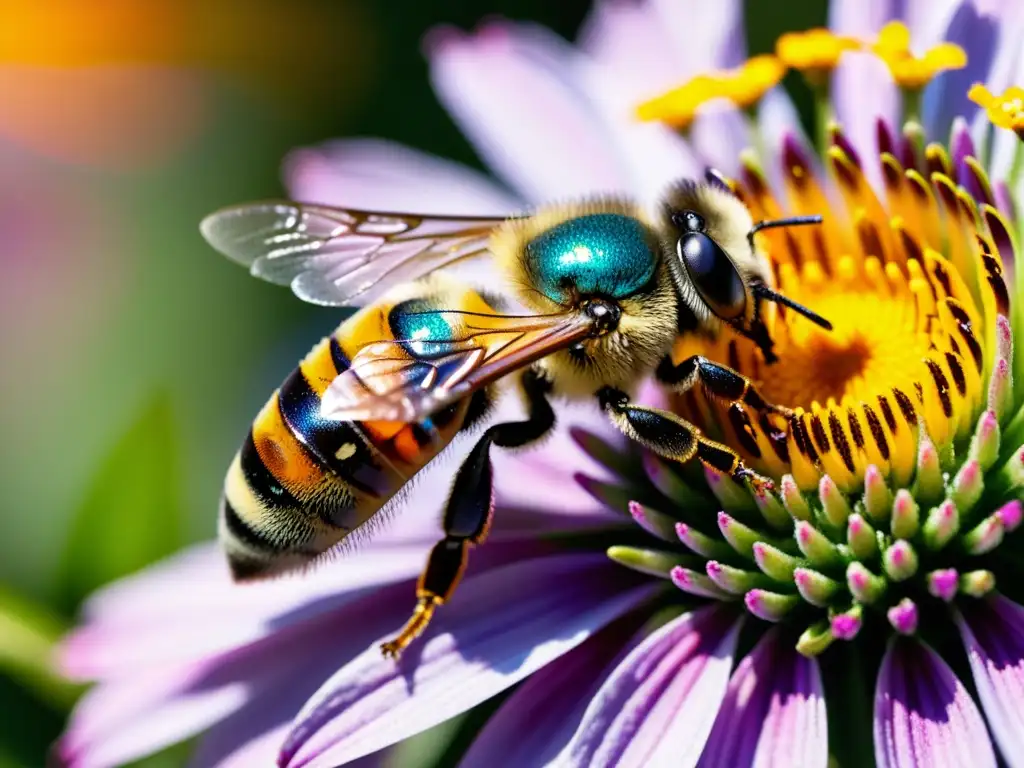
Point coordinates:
[[642, 614]]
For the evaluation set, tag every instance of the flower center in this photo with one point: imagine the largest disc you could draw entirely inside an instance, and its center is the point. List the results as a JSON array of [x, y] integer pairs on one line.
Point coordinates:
[[875, 341], [912, 326]]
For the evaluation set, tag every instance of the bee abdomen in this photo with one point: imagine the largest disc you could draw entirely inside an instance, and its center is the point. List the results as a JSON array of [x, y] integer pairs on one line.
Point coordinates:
[[339, 447]]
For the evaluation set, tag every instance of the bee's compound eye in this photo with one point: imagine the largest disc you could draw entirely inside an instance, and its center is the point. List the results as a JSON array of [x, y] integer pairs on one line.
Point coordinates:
[[713, 275]]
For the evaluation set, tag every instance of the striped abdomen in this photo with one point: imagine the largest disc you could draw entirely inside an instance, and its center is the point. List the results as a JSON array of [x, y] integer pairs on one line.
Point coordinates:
[[301, 483]]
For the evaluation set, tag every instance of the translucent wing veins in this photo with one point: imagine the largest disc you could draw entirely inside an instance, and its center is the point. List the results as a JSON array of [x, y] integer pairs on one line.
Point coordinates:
[[340, 256]]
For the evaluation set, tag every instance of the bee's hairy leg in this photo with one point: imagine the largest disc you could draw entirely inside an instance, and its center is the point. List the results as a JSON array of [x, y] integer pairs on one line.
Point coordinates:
[[719, 380], [674, 438], [467, 515]]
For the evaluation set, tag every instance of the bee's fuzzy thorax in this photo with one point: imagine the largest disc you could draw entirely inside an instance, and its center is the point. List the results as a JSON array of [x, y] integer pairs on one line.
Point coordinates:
[[649, 317]]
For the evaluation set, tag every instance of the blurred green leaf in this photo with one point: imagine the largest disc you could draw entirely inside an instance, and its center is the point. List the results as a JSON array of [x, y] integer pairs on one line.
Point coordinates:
[[28, 633], [27, 726], [131, 513]]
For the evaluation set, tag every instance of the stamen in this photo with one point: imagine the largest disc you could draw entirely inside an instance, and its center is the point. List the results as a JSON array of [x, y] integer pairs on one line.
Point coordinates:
[[1005, 110], [744, 86], [814, 52], [914, 72]]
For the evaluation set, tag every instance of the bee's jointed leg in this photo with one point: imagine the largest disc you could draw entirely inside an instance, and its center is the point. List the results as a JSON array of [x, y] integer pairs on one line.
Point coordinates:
[[467, 515], [673, 438], [719, 380]]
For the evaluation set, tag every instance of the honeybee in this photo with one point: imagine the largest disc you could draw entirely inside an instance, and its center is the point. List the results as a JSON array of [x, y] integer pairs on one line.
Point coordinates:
[[607, 289]]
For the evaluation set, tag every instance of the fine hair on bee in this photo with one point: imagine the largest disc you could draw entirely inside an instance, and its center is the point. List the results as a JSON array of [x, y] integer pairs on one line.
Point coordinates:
[[606, 289]]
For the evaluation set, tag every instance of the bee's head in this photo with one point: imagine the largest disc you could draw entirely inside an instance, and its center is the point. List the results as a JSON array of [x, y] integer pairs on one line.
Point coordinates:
[[708, 239]]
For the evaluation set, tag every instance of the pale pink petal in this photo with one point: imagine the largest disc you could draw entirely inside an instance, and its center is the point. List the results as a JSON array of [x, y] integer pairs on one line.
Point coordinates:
[[658, 706], [634, 57], [116, 723], [773, 715], [924, 717], [927, 20], [862, 78], [239, 695], [654, 155], [541, 477], [385, 176], [187, 608], [860, 18], [707, 35], [718, 133], [993, 634], [498, 629], [631, 40], [511, 90], [536, 722]]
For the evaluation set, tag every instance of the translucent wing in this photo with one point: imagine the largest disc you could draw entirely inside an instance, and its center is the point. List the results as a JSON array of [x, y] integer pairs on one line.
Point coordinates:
[[341, 256], [410, 379]]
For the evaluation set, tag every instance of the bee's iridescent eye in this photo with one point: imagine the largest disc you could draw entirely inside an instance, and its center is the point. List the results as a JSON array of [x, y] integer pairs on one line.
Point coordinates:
[[713, 275]]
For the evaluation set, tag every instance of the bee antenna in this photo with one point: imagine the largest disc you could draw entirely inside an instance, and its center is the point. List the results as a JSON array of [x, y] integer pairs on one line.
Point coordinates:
[[762, 291], [792, 221]]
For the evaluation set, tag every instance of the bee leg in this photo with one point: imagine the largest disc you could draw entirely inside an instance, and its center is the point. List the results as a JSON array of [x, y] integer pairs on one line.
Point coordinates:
[[719, 380], [468, 512], [674, 438]]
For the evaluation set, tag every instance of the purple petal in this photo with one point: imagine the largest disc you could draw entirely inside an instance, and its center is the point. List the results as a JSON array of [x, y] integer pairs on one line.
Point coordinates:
[[541, 478], [859, 79], [773, 713], [712, 38], [946, 96], [632, 40], [993, 634], [241, 695], [718, 133], [860, 18], [381, 175], [511, 90], [927, 21], [658, 44], [187, 608], [779, 123], [498, 629], [117, 723], [923, 714], [658, 706], [537, 721]]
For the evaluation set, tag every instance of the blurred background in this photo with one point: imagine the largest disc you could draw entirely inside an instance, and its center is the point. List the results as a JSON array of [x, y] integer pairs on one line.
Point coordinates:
[[132, 357]]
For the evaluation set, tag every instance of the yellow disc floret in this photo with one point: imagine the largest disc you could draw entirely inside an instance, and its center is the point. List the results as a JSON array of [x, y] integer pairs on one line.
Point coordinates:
[[912, 286], [815, 52], [743, 86], [909, 70], [1006, 110]]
